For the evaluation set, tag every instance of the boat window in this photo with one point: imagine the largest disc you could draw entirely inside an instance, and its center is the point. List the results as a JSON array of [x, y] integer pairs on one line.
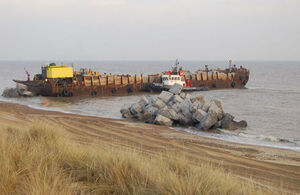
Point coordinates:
[[182, 78]]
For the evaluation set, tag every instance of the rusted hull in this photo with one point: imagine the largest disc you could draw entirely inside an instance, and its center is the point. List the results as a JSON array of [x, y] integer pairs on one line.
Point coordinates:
[[237, 80], [212, 81]]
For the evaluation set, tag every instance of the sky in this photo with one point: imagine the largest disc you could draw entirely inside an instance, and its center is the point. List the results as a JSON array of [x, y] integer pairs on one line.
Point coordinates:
[[149, 30]]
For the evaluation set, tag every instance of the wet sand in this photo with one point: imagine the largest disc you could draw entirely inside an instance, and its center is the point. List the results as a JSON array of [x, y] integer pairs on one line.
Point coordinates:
[[277, 169]]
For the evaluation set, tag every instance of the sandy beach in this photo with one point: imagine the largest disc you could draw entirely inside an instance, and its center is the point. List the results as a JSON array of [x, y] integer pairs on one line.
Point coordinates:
[[277, 169]]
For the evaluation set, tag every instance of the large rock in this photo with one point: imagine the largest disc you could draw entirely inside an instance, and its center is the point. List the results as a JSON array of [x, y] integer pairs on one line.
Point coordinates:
[[175, 89], [126, 113], [206, 106], [213, 102], [198, 99], [182, 95], [165, 96], [176, 107], [215, 109], [187, 96], [198, 115], [179, 108], [185, 107], [169, 113], [21, 88], [161, 120], [228, 123], [185, 117], [177, 99], [149, 113], [241, 124], [208, 121], [195, 106], [159, 103], [28, 94], [136, 108], [184, 120], [218, 103], [144, 101], [10, 92]]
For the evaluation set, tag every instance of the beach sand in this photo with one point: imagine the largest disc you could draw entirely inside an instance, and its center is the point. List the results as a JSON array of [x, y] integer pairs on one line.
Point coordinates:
[[274, 168]]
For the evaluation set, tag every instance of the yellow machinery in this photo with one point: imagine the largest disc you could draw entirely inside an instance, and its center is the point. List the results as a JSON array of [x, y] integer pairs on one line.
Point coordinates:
[[59, 72]]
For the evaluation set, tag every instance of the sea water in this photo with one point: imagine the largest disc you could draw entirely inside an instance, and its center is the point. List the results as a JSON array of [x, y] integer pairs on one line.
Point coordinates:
[[270, 104]]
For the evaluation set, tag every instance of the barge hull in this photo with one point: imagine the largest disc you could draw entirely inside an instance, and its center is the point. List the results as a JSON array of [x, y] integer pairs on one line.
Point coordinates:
[[125, 84]]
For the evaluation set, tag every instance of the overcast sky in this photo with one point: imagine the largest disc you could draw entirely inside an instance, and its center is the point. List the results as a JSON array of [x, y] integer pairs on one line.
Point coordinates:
[[149, 30]]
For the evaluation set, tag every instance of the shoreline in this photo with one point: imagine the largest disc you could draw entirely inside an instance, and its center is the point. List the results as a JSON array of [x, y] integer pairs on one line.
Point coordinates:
[[266, 166], [269, 144]]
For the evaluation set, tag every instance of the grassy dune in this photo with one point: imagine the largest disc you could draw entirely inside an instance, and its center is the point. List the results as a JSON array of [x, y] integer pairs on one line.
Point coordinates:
[[42, 160]]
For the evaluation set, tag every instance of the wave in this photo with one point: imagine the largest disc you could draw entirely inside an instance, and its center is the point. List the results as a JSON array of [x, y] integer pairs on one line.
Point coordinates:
[[244, 138]]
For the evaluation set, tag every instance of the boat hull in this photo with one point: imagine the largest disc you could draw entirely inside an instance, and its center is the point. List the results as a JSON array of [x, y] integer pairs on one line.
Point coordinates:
[[136, 84]]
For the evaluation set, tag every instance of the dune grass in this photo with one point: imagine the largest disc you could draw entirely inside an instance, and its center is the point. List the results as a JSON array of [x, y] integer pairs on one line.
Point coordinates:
[[42, 160]]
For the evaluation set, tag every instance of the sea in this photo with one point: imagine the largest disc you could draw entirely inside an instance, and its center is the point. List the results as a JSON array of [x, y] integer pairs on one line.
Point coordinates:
[[270, 104]]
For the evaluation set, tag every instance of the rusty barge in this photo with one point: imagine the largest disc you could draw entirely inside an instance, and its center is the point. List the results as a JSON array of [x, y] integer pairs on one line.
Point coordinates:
[[63, 81]]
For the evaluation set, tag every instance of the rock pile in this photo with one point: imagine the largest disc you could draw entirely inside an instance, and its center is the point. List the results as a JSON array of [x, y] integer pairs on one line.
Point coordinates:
[[176, 107], [19, 90]]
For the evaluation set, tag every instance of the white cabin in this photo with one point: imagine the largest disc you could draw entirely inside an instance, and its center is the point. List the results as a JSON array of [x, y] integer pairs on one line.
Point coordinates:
[[169, 80]]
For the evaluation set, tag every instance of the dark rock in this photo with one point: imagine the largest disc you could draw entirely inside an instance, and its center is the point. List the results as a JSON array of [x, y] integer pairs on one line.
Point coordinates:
[[228, 123], [242, 124], [126, 113], [149, 113], [184, 120]]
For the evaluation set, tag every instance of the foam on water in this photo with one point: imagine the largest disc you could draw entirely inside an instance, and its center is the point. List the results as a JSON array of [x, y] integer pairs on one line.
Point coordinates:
[[270, 105]]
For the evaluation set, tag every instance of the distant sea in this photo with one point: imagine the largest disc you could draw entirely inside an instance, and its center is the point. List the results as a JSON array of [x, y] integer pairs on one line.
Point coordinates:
[[270, 104]]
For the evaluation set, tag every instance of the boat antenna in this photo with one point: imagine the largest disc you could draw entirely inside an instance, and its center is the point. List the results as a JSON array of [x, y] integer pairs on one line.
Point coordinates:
[[175, 68]]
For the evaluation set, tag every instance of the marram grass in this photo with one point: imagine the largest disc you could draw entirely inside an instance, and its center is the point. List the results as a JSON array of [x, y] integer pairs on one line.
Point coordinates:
[[42, 160]]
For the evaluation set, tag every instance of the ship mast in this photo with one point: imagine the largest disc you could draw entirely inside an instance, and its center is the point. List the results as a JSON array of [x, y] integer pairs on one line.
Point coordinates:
[[175, 67]]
